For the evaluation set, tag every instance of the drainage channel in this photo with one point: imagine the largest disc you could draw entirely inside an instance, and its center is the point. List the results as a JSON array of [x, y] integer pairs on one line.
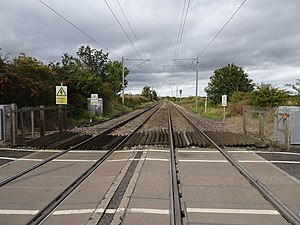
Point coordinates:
[[118, 195]]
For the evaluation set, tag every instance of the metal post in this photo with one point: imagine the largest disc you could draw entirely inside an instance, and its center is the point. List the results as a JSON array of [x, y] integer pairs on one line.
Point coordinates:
[[261, 125], [60, 118], [197, 84], [123, 81], [32, 124], [13, 123], [42, 120], [245, 120], [22, 125]]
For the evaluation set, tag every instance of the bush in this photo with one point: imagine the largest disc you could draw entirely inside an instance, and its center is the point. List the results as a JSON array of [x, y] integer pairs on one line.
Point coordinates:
[[267, 95]]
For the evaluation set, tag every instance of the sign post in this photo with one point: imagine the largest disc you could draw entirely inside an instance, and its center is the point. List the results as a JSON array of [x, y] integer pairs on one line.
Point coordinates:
[[224, 104], [61, 95]]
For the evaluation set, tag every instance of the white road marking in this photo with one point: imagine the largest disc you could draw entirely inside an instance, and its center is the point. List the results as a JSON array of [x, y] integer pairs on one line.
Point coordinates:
[[153, 159], [203, 160], [73, 211], [17, 212], [157, 159], [149, 211], [234, 211], [144, 211]]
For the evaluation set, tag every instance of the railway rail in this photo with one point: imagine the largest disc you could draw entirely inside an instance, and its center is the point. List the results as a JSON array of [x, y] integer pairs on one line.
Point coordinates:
[[163, 125], [288, 214]]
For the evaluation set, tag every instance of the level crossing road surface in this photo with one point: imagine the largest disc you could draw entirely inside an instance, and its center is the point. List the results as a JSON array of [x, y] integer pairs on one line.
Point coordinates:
[[213, 192]]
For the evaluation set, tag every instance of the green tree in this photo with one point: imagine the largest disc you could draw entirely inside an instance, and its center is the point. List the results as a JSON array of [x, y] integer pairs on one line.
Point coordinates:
[[26, 81], [227, 80], [95, 60], [146, 92], [154, 95], [114, 75], [296, 86], [267, 95]]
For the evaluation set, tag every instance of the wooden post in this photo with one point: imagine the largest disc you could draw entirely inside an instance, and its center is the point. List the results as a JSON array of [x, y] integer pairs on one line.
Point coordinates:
[[224, 113], [32, 124], [261, 125], [22, 125], [245, 120], [13, 125], [42, 120]]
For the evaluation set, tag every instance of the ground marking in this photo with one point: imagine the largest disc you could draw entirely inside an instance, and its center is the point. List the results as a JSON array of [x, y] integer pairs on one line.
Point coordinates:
[[144, 211]]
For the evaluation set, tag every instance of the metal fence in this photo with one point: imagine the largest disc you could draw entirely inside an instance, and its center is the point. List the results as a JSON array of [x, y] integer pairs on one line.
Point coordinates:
[[34, 122], [260, 122]]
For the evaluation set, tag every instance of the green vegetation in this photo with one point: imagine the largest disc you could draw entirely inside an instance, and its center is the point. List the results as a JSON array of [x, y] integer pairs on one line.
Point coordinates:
[[226, 81], [27, 81], [267, 95], [149, 94]]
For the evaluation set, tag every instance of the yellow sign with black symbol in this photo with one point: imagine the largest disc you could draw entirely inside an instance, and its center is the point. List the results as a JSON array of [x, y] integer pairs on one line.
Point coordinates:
[[61, 95]]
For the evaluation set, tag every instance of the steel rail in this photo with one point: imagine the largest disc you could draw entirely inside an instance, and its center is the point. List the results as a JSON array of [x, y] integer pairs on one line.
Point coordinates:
[[176, 218], [127, 138], [287, 213], [45, 212], [23, 172]]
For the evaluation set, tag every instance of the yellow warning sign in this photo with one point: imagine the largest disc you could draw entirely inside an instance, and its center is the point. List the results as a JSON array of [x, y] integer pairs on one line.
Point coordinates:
[[61, 95], [61, 92]]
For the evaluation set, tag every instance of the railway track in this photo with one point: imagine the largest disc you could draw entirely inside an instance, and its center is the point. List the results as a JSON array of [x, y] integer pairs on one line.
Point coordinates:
[[287, 213], [163, 126]]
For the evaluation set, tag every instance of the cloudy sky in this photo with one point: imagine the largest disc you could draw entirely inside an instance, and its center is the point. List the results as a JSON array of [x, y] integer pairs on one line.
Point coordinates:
[[263, 37]]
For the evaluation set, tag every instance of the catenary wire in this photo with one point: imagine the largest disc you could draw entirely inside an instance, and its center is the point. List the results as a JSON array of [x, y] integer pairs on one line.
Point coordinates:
[[184, 14], [235, 12], [136, 38], [78, 28], [111, 10]]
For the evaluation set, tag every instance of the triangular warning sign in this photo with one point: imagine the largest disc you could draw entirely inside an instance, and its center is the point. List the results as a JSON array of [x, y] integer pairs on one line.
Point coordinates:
[[61, 92]]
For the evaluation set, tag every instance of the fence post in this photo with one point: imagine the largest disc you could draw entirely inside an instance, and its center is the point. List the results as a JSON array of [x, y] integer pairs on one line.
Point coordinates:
[[245, 120], [32, 123], [22, 125], [13, 124], [261, 124], [42, 120]]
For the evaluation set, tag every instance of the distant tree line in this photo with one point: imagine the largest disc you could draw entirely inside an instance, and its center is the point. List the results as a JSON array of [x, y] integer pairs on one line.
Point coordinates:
[[29, 82]]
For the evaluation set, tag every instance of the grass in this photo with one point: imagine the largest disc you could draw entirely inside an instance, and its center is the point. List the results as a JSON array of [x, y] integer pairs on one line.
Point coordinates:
[[212, 112]]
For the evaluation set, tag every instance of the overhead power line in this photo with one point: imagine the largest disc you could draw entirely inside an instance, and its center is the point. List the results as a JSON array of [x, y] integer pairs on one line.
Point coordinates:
[[184, 14], [136, 38], [235, 12], [78, 28], [122, 28]]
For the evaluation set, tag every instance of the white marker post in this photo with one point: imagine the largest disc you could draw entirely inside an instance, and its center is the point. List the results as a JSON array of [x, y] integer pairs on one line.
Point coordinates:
[[224, 104]]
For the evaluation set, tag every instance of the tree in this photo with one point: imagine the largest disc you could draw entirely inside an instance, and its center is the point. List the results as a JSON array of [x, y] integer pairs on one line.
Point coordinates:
[[146, 92], [296, 86], [227, 80], [114, 75], [26, 81], [154, 95], [267, 95]]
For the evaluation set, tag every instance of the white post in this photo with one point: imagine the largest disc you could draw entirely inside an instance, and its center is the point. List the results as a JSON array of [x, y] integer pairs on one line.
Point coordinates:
[[123, 81]]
